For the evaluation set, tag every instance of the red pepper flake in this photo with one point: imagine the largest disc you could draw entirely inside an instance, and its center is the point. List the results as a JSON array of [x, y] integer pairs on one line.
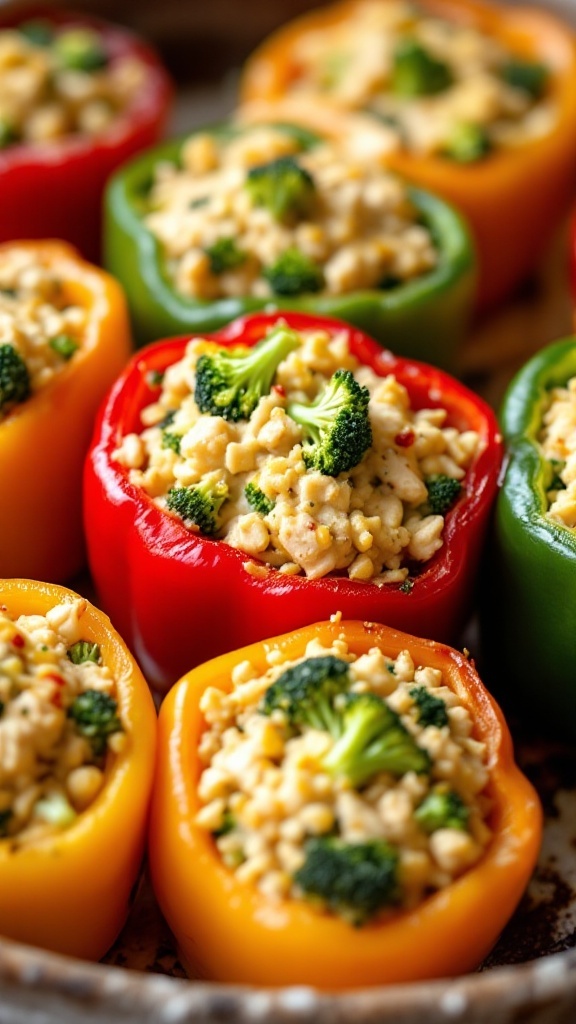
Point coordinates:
[[55, 678], [278, 388], [405, 439], [18, 641]]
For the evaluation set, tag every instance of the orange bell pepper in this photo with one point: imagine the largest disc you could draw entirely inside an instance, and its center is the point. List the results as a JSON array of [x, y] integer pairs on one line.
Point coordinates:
[[229, 931], [44, 440], [70, 893], [513, 197]]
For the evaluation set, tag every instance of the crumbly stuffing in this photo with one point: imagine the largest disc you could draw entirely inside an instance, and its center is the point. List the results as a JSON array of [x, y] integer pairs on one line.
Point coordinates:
[[372, 522], [56, 82], [266, 792], [558, 439], [360, 64], [359, 230], [53, 749]]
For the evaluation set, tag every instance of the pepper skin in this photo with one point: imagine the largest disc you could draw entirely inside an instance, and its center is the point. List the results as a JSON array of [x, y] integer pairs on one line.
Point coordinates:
[[424, 318], [43, 441], [530, 591], [70, 893], [54, 190], [229, 931], [180, 598], [496, 194]]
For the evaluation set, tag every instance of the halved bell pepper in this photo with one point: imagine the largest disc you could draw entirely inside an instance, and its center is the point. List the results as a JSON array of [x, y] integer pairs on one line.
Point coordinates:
[[530, 588], [229, 931], [424, 318], [513, 197], [54, 189], [71, 892], [180, 598], [44, 440]]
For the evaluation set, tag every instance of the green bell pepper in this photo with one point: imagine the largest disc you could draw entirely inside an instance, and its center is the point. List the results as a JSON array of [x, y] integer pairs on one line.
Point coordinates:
[[424, 318], [530, 596]]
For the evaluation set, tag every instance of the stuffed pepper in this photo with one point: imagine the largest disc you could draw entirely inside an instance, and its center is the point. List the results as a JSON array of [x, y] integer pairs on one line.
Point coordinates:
[[64, 337], [77, 750], [338, 807], [467, 99], [77, 98], [529, 608], [231, 220], [284, 468]]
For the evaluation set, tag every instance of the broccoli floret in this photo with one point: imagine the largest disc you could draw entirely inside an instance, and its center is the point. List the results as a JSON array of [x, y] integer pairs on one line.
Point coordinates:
[[529, 76], [431, 709], [442, 809], [283, 187], [95, 715], [373, 740], [224, 255], [467, 143], [200, 503], [14, 378], [293, 273], [80, 49], [83, 650], [336, 427], [416, 72], [64, 345], [171, 440], [231, 383], [306, 691], [443, 491], [258, 500], [355, 880]]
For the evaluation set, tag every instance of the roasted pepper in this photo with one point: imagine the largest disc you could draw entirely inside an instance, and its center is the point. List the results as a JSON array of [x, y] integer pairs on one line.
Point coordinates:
[[53, 188], [70, 891], [180, 598], [44, 439], [231, 931], [529, 629], [423, 318], [495, 192]]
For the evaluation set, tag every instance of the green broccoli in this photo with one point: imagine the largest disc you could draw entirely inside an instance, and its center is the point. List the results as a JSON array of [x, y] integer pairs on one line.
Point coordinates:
[[443, 491], [336, 426], [84, 650], [14, 378], [95, 715], [283, 187], [224, 255], [306, 691], [64, 345], [355, 880], [431, 709], [200, 503], [80, 49], [442, 809], [171, 440], [293, 273], [257, 499], [37, 31], [230, 383], [373, 740], [416, 72], [528, 75], [467, 143]]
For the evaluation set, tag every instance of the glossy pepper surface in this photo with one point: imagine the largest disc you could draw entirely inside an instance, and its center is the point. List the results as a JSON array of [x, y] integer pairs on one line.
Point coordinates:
[[232, 933], [531, 588], [424, 318], [495, 193], [180, 598], [70, 892], [44, 440], [54, 189]]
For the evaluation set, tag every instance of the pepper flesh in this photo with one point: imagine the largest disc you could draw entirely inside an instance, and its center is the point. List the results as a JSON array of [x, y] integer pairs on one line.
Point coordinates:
[[530, 592], [426, 317], [71, 892], [230, 932], [495, 193], [44, 440], [157, 579]]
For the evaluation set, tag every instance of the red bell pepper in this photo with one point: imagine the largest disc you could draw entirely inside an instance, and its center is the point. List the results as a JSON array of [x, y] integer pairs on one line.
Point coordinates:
[[180, 599], [54, 189]]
